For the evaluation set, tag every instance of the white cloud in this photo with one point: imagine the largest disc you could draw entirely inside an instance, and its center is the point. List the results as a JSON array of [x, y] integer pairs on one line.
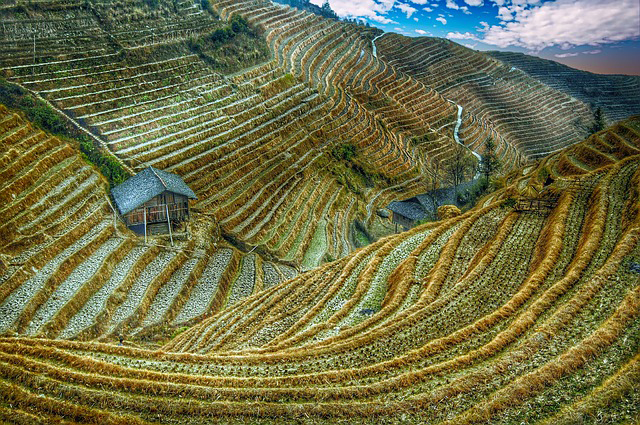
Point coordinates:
[[474, 2], [505, 14], [406, 9], [415, 19], [420, 1], [460, 36], [441, 20], [566, 55], [398, 29], [465, 10], [451, 4], [434, 4], [382, 19], [422, 32], [427, 9], [370, 9], [592, 52], [565, 23]]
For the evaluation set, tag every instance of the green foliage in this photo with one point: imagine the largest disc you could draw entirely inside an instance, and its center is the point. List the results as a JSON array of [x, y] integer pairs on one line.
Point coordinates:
[[599, 123], [222, 34], [490, 163], [344, 151], [152, 3], [543, 174], [232, 47], [470, 196], [325, 10], [509, 203], [361, 235], [425, 138], [48, 119], [36, 111], [178, 331], [108, 165], [460, 167], [239, 24]]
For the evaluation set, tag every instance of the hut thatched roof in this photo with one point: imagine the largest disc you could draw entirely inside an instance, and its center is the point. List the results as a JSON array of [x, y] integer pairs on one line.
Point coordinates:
[[145, 185]]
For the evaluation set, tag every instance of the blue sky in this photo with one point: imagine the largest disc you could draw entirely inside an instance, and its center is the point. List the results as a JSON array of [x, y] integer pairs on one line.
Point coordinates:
[[601, 36]]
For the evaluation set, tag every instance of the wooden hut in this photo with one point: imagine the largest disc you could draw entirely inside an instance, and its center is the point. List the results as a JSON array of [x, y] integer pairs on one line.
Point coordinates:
[[407, 213], [153, 200]]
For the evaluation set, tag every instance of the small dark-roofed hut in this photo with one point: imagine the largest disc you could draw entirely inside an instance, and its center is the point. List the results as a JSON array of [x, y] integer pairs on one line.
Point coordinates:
[[407, 213], [153, 198]]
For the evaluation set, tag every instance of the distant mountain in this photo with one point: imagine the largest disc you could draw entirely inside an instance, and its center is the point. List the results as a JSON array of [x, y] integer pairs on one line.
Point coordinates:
[[617, 95]]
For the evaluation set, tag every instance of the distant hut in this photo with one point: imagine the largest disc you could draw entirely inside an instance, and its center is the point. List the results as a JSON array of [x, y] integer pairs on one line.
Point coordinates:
[[407, 213], [153, 200]]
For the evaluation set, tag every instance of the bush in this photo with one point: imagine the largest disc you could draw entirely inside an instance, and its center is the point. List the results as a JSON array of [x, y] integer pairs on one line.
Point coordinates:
[[509, 203], [109, 166], [221, 35], [36, 111], [345, 151], [48, 119], [239, 24]]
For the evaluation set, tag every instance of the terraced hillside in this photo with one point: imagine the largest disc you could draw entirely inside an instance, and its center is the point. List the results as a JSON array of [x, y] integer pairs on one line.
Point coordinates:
[[617, 95], [521, 112], [505, 314], [68, 270], [257, 144]]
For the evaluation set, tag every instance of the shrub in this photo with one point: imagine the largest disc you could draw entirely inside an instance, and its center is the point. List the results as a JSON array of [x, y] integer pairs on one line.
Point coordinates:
[[37, 111], [221, 35], [109, 166], [239, 24], [344, 151], [48, 119], [509, 203]]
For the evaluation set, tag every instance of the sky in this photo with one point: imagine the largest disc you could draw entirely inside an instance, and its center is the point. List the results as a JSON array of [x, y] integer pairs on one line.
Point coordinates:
[[601, 36]]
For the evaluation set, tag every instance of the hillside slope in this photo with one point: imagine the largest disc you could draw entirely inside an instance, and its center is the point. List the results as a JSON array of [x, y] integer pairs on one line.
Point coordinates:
[[509, 313], [617, 95], [254, 133], [69, 270], [496, 101]]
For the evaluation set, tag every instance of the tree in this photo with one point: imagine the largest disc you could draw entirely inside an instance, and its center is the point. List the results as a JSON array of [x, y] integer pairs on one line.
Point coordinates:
[[599, 122], [432, 182], [490, 163], [460, 166], [327, 12]]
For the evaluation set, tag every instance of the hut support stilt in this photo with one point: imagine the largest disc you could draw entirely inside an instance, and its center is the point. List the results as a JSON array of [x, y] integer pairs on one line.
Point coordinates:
[[169, 223], [145, 225]]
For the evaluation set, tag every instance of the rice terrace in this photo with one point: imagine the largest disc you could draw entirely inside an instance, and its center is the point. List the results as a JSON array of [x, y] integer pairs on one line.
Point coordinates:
[[252, 212]]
